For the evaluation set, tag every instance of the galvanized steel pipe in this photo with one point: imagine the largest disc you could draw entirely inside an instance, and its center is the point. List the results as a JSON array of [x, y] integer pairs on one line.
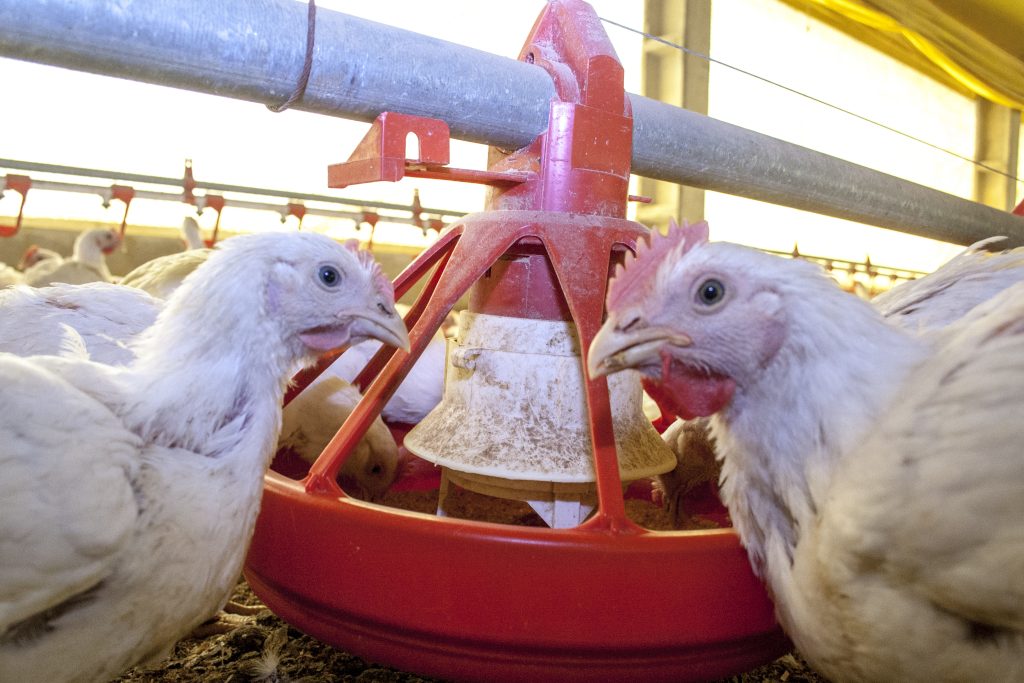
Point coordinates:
[[254, 50], [103, 191], [120, 176]]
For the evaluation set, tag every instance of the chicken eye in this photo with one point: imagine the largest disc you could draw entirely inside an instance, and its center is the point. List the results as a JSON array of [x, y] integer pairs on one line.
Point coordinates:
[[710, 292], [329, 276]]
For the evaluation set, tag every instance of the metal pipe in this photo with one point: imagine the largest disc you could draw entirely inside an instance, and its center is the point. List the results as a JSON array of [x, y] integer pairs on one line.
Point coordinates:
[[104, 193], [254, 50], [692, 149], [32, 166]]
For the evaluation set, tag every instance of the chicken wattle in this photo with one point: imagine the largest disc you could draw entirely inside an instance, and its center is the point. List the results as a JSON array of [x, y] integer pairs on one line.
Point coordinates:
[[687, 391]]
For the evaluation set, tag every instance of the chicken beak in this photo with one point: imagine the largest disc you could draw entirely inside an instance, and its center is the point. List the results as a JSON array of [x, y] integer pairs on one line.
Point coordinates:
[[382, 323], [614, 349]]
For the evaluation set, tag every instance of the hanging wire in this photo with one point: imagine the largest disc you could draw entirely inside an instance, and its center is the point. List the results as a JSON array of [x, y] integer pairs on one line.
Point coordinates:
[[812, 98]]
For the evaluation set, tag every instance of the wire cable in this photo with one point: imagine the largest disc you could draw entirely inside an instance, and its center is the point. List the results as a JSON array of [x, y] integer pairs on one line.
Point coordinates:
[[812, 98]]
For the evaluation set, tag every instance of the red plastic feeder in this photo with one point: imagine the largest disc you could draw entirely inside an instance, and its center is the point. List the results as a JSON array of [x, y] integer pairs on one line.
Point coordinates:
[[467, 600]]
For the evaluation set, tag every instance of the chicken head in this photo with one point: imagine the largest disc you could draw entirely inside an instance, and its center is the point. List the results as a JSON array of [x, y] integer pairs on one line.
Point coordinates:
[[34, 254], [320, 294], [106, 240], [695, 318]]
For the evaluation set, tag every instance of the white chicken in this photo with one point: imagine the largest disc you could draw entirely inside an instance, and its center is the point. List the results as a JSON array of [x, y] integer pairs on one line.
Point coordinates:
[[162, 275], [129, 494], [932, 301], [10, 276], [87, 262], [108, 318], [311, 421], [939, 298], [887, 526], [191, 235], [697, 466], [418, 393], [36, 254]]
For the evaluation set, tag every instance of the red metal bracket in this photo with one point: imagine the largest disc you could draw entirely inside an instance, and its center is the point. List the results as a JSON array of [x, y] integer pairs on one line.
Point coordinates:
[[215, 202], [188, 184], [381, 155], [207, 201], [20, 184], [125, 194], [370, 218], [424, 223], [297, 209], [417, 209], [435, 224]]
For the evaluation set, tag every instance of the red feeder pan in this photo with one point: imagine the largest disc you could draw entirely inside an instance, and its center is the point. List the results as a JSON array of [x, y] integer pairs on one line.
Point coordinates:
[[466, 600]]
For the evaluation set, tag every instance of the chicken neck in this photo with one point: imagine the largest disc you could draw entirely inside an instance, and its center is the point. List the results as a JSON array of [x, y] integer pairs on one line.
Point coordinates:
[[785, 432], [208, 371]]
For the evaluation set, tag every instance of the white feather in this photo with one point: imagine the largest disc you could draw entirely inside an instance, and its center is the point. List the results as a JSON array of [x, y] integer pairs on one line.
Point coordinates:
[[418, 393], [105, 316], [87, 262], [10, 276], [875, 474], [191, 234], [164, 274], [130, 493], [313, 418], [954, 289]]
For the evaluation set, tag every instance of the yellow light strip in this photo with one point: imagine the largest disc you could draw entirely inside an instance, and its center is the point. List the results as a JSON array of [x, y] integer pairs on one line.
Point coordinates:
[[855, 10]]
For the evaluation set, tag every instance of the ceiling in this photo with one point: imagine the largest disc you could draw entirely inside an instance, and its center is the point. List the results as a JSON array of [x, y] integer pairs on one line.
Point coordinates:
[[982, 40], [1000, 21]]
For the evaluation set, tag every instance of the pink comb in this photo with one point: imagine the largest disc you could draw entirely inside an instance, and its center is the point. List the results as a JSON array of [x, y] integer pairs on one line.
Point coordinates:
[[367, 261], [635, 277]]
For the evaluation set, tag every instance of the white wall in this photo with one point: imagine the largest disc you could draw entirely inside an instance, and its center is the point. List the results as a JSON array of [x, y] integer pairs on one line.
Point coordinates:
[[781, 44]]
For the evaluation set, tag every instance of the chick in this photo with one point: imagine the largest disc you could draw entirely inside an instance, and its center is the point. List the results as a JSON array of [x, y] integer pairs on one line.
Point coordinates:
[[311, 421]]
